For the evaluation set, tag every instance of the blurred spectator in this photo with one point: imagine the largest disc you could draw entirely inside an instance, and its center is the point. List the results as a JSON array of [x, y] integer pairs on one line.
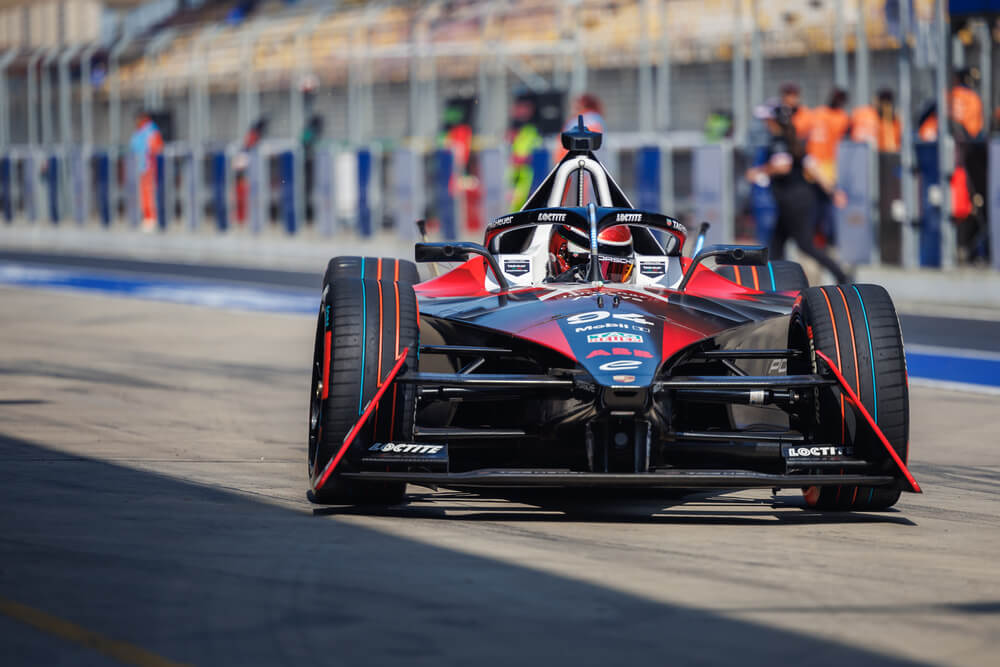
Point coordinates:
[[801, 116], [146, 145], [524, 138], [878, 125], [791, 175], [242, 163], [718, 125], [827, 128]]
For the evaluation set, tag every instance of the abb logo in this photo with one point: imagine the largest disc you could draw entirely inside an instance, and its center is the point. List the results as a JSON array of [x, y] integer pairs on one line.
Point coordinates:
[[620, 352]]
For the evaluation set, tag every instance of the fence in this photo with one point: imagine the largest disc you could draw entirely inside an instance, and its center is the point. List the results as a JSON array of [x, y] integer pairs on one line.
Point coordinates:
[[338, 189]]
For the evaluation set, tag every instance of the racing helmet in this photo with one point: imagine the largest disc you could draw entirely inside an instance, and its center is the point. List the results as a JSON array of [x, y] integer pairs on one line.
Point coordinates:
[[570, 248]]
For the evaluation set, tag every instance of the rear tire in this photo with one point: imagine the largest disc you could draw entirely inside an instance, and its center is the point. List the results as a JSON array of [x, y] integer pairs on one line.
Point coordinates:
[[855, 326], [368, 323], [777, 276]]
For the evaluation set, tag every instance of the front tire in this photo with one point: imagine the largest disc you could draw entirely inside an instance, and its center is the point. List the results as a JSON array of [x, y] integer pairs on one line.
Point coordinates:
[[362, 327], [855, 326]]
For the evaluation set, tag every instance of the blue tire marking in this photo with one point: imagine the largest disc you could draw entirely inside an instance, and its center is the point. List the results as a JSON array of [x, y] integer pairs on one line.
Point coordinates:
[[364, 336], [770, 270], [871, 355]]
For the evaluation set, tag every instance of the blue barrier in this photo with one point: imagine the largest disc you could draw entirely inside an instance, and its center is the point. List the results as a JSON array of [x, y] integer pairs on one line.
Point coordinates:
[[930, 214], [52, 176], [539, 167], [102, 167], [286, 163], [647, 178], [444, 202], [5, 189], [219, 190], [364, 182]]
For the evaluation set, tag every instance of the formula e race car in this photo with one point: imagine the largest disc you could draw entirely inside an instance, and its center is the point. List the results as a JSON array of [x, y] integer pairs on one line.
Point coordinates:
[[579, 347]]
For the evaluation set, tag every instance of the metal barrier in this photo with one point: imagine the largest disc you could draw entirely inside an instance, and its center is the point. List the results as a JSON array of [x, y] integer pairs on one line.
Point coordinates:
[[365, 190]]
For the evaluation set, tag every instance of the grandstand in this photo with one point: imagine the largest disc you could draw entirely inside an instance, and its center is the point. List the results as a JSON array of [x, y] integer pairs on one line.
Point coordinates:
[[271, 47]]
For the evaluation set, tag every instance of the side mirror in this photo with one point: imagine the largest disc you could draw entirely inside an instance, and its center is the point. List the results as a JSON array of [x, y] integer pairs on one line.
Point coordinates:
[[458, 251], [740, 255], [439, 252], [743, 255]]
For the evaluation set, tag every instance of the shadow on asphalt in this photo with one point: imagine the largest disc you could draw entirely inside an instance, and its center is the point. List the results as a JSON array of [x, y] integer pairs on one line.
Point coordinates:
[[613, 506], [200, 575]]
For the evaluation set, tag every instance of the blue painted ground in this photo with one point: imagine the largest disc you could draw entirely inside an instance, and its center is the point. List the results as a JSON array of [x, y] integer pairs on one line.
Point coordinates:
[[174, 290], [953, 365], [947, 365]]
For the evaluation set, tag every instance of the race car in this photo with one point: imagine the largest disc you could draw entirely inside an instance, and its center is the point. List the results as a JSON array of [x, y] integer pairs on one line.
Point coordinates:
[[579, 347]]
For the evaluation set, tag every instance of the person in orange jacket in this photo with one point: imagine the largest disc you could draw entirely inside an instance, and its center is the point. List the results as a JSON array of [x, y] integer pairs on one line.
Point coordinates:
[[965, 107], [878, 125], [146, 144], [827, 127]]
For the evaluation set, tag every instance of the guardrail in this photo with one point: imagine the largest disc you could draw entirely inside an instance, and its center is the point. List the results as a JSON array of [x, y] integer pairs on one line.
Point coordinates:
[[336, 188]]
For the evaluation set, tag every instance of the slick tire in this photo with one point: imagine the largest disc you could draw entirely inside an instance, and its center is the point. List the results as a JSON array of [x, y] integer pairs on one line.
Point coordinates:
[[362, 327], [374, 268], [778, 276], [855, 326]]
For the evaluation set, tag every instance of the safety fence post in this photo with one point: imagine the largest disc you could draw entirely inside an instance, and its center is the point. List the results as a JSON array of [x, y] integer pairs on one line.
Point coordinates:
[[257, 190], [286, 165], [444, 202], [31, 188], [52, 176], [712, 191], [491, 174], [219, 202], [324, 205], [132, 202], [930, 204], [855, 231], [6, 199], [364, 185], [78, 179], [160, 192], [102, 169], [993, 202], [407, 182]]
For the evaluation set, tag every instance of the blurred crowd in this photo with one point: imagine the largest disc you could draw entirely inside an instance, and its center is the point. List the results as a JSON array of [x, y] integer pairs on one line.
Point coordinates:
[[794, 177]]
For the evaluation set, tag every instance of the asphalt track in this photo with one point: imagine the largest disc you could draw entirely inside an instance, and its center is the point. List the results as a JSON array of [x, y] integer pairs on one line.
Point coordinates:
[[153, 511]]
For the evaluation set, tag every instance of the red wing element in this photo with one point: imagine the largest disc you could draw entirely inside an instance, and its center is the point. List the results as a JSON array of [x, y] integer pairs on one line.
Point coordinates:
[[856, 402], [353, 433]]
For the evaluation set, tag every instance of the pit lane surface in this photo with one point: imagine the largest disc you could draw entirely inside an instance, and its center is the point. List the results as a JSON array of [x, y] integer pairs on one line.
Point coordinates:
[[153, 511]]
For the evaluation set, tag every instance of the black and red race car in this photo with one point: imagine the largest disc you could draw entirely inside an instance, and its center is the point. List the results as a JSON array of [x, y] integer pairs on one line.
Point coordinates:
[[579, 347]]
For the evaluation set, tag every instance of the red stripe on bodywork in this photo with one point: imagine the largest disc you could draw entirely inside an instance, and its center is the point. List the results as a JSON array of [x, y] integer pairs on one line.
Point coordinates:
[[327, 337], [856, 402], [365, 414]]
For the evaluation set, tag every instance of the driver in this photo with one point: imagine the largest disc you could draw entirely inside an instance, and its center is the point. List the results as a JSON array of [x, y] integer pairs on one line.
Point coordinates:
[[569, 254]]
